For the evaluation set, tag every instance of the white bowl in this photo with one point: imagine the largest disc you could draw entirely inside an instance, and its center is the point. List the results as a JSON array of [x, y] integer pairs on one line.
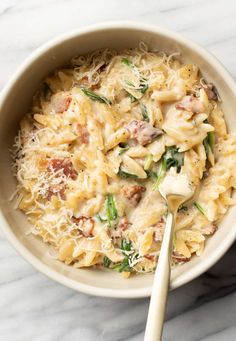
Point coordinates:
[[15, 100]]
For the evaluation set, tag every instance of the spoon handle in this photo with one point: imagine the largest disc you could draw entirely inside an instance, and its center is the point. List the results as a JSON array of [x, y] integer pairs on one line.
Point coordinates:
[[157, 307]]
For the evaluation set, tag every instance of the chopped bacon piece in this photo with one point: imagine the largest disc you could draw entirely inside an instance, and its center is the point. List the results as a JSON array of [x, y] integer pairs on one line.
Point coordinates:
[[58, 190], [85, 225], [210, 229], [133, 193], [211, 91], [143, 132], [192, 104], [66, 165], [60, 102], [83, 134], [211, 94], [178, 258], [149, 257], [124, 223]]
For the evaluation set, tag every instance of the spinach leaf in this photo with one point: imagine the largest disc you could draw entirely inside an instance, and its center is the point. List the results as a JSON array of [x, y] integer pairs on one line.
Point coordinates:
[[199, 207], [143, 85], [127, 62], [96, 97], [126, 245], [125, 175], [111, 210], [100, 218], [106, 262], [161, 173], [151, 174], [129, 83], [208, 142], [144, 113], [132, 98], [123, 266], [173, 158]]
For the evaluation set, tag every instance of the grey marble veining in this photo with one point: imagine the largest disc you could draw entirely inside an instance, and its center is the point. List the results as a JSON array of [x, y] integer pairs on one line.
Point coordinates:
[[32, 307]]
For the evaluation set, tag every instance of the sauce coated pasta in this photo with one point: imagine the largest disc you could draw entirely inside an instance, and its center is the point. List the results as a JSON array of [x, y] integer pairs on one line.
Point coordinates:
[[100, 138]]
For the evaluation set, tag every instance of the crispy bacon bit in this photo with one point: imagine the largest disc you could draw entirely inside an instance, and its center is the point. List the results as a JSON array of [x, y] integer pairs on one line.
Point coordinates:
[[83, 134], [143, 132], [60, 102], [159, 229], [133, 193], [192, 104], [178, 258], [85, 225], [66, 165], [58, 190], [211, 91], [210, 229], [149, 257], [124, 223], [211, 94]]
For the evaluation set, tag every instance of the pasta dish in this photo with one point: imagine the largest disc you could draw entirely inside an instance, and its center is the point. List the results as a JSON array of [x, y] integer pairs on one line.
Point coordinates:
[[99, 139]]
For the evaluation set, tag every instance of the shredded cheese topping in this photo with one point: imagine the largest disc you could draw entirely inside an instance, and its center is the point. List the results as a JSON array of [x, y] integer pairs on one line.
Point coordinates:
[[99, 140]]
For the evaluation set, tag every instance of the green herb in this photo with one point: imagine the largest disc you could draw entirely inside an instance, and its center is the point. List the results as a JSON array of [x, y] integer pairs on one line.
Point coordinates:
[[151, 174], [161, 173], [123, 148], [126, 61], [126, 245], [208, 142], [211, 139], [199, 207], [129, 83], [148, 162], [144, 113], [125, 175], [173, 158], [143, 86], [100, 218], [106, 262], [123, 266], [132, 98], [96, 97], [111, 210]]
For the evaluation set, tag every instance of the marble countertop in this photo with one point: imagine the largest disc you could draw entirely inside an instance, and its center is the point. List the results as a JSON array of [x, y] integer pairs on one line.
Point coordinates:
[[33, 307]]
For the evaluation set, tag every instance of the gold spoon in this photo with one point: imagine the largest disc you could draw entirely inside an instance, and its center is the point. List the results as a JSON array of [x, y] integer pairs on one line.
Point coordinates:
[[157, 307]]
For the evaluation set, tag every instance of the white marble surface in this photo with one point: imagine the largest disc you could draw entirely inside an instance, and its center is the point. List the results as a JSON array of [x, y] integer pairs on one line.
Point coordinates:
[[32, 307]]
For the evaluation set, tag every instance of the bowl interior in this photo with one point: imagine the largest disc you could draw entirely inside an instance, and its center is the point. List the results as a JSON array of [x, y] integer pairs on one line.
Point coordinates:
[[15, 104]]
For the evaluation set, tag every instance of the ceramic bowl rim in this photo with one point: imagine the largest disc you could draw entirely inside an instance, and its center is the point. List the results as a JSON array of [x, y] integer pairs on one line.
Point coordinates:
[[33, 260]]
